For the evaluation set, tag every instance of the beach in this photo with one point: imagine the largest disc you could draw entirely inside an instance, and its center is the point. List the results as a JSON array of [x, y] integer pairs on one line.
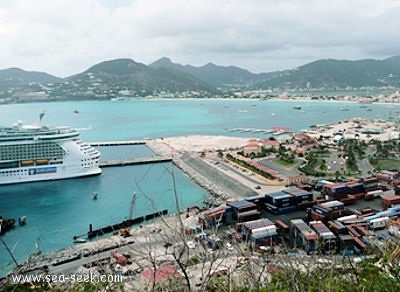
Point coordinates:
[[198, 143]]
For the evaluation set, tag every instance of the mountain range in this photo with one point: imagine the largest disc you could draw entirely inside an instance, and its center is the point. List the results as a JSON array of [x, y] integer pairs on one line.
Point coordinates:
[[125, 77]]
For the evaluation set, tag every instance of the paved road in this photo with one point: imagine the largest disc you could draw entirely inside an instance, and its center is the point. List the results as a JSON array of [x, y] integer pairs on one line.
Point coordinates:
[[230, 185]]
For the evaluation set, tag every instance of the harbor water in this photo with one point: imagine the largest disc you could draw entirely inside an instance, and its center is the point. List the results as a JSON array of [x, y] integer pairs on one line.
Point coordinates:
[[58, 210]]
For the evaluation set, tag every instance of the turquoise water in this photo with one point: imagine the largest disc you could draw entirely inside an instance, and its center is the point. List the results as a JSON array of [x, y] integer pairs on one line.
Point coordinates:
[[58, 210], [138, 119]]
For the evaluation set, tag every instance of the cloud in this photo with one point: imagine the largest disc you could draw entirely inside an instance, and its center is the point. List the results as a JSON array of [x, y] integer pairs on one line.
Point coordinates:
[[66, 37]]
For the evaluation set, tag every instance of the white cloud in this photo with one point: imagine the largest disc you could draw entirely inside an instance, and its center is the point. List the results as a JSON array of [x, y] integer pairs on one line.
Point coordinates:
[[66, 37]]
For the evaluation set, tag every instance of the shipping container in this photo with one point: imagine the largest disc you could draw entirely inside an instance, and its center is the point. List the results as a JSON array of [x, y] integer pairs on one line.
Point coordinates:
[[282, 227], [241, 207], [390, 201], [248, 226], [258, 200], [321, 183], [304, 236], [335, 191], [355, 188], [370, 184], [280, 199], [363, 231], [360, 244], [228, 215], [271, 208], [248, 215], [393, 211], [305, 205], [352, 231], [376, 193], [332, 205], [378, 223], [327, 241], [121, 259], [346, 218], [349, 200], [337, 227], [261, 226], [346, 245], [263, 240], [317, 216], [286, 210], [358, 196], [299, 195], [265, 231]]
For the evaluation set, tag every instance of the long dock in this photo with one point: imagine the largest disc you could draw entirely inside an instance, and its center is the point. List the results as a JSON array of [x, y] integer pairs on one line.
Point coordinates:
[[142, 160], [123, 162], [117, 143]]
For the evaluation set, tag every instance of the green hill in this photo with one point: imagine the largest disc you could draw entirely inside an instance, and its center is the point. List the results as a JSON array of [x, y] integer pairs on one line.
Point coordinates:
[[126, 74], [13, 77], [330, 73], [212, 74]]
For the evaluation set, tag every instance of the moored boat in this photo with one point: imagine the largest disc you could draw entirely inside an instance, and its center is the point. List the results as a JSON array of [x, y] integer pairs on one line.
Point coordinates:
[[6, 224]]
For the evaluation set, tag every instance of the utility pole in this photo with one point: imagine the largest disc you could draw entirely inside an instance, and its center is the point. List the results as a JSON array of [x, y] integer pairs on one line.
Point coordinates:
[[130, 215], [10, 252]]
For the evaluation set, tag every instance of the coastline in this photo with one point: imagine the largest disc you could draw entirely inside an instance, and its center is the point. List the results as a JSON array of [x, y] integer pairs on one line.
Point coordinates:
[[185, 147], [79, 253]]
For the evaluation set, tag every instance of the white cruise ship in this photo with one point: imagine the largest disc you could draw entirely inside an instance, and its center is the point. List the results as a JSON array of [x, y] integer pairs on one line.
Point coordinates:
[[38, 153]]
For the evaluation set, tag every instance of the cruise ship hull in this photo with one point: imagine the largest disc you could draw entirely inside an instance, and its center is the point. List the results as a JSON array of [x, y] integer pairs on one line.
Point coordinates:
[[48, 173], [39, 153]]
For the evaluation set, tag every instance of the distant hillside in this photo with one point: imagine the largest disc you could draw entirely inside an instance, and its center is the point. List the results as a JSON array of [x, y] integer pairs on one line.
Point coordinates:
[[328, 74], [212, 74], [14, 77], [126, 74], [126, 78]]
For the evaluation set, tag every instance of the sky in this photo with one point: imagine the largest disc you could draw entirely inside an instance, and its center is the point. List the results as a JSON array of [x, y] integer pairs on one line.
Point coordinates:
[[66, 37]]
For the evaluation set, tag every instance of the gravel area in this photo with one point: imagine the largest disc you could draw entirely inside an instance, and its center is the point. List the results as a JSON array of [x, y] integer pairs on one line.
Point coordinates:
[[215, 179]]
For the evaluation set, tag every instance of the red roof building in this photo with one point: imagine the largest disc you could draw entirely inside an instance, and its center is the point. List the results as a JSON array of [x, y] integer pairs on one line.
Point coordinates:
[[304, 139], [160, 274], [267, 143]]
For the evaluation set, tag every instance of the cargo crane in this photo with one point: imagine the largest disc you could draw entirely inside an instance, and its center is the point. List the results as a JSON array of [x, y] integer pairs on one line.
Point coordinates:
[[125, 232]]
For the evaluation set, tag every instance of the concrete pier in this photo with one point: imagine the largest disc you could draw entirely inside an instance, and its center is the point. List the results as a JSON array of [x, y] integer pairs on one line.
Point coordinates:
[[141, 160], [116, 143]]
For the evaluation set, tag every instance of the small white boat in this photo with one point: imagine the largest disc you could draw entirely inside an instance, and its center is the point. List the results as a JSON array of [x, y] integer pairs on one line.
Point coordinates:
[[22, 220], [79, 240]]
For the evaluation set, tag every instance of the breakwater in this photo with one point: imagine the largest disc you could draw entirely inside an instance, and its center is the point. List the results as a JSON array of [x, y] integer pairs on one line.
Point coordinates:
[[184, 162], [124, 224], [117, 143], [142, 160]]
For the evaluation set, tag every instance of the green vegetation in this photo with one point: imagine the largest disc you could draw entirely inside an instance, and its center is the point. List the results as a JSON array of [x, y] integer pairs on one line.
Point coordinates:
[[286, 163], [314, 164], [388, 164]]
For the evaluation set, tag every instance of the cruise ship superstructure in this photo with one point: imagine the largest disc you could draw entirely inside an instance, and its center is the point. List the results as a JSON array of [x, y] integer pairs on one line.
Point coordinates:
[[37, 153]]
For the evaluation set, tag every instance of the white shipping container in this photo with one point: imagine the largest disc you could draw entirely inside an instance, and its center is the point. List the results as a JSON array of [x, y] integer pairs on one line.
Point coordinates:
[[376, 193], [268, 230], [345, 218], [379, 223]]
